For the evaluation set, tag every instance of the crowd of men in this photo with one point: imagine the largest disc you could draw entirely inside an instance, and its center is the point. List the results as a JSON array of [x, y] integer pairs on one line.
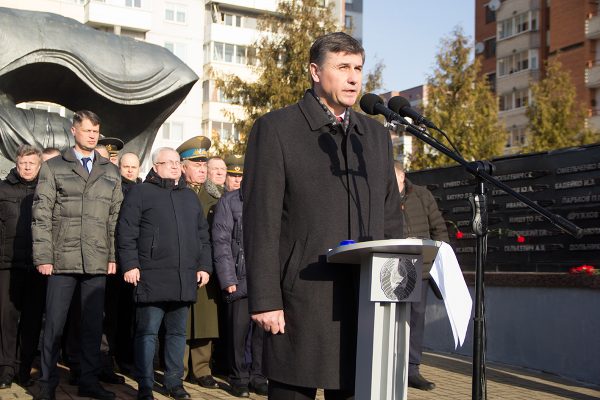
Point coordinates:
[[115, 263]]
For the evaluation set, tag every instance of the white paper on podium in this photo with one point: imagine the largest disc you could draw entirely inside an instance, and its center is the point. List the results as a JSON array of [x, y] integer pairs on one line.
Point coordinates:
[[449, 278]]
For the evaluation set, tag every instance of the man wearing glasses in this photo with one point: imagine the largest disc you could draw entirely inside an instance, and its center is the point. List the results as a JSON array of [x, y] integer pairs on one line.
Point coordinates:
[[75, 211], [164, 251]]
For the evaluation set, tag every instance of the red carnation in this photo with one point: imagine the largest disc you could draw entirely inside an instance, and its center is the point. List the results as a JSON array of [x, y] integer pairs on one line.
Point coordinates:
[[459, 235], [520, 239]]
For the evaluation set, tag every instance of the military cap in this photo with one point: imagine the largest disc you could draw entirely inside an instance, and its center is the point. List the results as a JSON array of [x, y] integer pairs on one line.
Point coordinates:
[[235, 164], [112, 144], [194, 149]]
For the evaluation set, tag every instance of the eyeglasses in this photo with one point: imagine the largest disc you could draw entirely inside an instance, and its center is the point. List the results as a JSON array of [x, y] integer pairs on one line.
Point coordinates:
[[169, 163]]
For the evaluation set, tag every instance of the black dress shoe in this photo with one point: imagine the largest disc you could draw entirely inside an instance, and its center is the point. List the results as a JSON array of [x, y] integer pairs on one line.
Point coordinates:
[[5, 383], [261, 389], [145, 394], [178, 393], [45, 393], [111, 377], [240, 391], [208, 382], [95, 392], [74, 378], [418, 382]]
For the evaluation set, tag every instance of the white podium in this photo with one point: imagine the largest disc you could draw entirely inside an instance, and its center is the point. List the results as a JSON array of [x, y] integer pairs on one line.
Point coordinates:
[[390, 278]]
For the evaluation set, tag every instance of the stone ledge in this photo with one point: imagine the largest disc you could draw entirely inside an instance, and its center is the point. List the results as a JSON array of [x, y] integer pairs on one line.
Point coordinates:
[[536, 279]]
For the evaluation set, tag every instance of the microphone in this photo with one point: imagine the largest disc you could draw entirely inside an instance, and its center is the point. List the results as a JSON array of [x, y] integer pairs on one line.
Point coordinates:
[[402, 106], [373, 105]]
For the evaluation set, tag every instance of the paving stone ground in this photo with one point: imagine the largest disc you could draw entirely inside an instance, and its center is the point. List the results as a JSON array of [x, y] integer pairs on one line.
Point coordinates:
[[452, 375]]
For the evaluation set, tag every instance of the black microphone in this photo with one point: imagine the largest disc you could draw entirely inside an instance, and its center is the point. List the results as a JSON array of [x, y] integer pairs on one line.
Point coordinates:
[[402, 106], [373, 105]]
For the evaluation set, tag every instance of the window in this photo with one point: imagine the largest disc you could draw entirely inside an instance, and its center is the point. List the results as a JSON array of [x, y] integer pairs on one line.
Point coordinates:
[[490, 16], [348, 22], [521, 98], [225, 130], [234, 53], [517, 136], [133, 3], [179, 49], [489, 49], [249, 22], [206, 91], [491, 79], [517, 62], [505, 102], [175, 13], [172, 131], [520, 23], [231, 19]]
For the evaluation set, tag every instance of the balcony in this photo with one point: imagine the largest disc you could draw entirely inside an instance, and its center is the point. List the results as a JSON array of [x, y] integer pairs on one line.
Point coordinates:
[[592, 76], [270, 5], [593, 121], [117, 13], [592, 28]]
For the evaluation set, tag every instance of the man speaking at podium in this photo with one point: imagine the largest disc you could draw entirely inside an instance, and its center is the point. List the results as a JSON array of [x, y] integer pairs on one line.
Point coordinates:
[[316, 173]]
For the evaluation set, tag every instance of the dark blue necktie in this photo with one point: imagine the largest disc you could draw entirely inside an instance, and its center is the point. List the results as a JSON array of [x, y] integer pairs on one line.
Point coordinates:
[[85, 161]]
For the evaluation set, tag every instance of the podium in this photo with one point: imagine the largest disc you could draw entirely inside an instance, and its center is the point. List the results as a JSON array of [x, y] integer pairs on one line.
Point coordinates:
[[390, 278]]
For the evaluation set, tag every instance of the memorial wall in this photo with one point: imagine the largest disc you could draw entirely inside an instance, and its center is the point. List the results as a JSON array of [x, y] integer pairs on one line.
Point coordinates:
[[565, 181]]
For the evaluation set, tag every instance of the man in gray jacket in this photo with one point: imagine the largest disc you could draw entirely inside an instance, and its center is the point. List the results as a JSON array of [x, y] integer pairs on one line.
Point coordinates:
[[75, 210]]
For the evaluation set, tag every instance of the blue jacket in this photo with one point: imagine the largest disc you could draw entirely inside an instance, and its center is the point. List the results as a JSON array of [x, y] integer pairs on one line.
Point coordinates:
[[228, 250]]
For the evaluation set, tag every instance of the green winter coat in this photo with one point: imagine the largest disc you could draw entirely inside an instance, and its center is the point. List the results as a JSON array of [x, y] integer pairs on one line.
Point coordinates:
[[75, 214]]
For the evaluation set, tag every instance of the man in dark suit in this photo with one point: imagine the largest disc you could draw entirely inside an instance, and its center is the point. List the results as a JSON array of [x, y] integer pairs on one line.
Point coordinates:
[[75, 210], [423, 220], [315, 173]]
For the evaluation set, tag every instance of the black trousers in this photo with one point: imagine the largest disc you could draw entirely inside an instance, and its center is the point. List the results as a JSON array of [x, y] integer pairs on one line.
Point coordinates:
[[282, 391], [245, 345], [58, 298], [22, 296], [417, 330]]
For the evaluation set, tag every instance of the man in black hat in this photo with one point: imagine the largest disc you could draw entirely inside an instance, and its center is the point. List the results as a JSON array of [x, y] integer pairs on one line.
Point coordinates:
[[113, 145], [235, 172]]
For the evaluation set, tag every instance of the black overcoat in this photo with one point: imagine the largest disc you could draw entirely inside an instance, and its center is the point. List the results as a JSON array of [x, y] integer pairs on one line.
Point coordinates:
[[163, 232], [297, 172]]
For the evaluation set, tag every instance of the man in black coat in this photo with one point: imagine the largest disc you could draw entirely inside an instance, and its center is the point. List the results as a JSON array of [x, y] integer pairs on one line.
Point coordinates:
[[423, 220], [164, 250], [22, 289], [230, 267], [316, 173]]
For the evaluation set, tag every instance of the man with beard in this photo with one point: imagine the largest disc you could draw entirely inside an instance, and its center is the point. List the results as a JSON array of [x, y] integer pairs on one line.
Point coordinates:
[[22, 288], [75, 210], [203, 323]]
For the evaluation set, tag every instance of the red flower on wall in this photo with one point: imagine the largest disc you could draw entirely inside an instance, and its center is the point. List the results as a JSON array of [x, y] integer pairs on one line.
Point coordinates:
[[520, 239], [583, 269], [459, 235]]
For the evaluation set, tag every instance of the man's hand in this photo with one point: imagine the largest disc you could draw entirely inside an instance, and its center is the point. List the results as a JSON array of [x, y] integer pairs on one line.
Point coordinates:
[[231, 289], [202, 278], [45, 269], [112, 268], [270, 321], [132, 276]]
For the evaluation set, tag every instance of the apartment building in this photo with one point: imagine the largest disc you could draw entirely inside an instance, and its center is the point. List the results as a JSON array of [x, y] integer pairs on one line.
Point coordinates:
[[230, 31], [514, 39], [175, 25]]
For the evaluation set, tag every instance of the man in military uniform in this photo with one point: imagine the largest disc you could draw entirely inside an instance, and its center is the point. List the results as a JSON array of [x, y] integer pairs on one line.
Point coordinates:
[[203, 323], [235, 172], [113, 145]]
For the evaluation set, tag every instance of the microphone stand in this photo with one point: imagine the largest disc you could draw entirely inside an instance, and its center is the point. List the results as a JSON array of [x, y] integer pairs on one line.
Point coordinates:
[[482, 171]]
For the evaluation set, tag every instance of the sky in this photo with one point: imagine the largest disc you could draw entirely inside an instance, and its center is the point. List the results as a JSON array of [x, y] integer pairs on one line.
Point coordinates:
[[405, 35]]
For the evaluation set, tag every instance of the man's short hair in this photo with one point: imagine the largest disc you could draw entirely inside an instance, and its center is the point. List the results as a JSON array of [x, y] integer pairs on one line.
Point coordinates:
[[157, 152], [215, 158], [124, 154], [50, 150], [28, 150], [79, 116], [336, 42]]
